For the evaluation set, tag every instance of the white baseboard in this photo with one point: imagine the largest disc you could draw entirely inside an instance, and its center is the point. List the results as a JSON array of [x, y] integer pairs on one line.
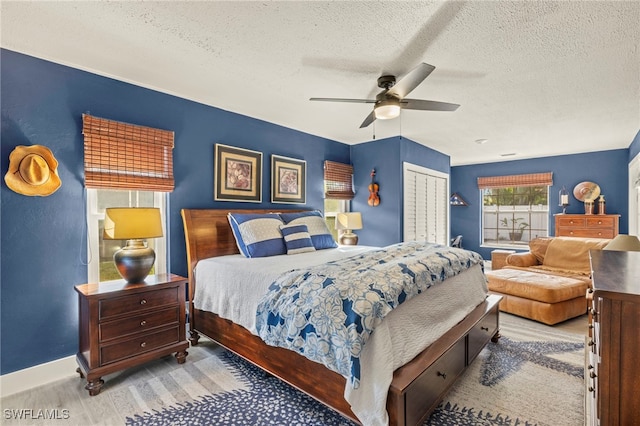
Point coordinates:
[[37, 375]]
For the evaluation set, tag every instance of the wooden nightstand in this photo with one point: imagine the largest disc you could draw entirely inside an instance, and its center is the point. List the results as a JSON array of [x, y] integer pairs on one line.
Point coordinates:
[[122, 325]]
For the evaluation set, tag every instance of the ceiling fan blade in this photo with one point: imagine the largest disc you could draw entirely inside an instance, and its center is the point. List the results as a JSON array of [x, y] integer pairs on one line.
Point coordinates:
[[370, 119], [360, 101], [425, 105], [410, 81]]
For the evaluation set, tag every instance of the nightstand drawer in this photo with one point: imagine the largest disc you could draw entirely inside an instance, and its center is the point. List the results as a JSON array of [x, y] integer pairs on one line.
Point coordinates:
[[138, 345], [138, 301], [141, 323]]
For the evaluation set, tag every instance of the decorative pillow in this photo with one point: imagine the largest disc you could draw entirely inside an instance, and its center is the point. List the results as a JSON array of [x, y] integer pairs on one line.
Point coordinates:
[[297, 238], [320, 234], [257, 234]]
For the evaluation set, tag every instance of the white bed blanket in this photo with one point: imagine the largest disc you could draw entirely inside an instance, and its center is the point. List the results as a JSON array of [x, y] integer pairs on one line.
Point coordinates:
[[232, 286]]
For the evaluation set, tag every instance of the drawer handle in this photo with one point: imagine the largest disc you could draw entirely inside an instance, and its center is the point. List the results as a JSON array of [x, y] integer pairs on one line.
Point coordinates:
[[571, 222], [599, 233], [143, 302], [443, 375], [599, 222], [143, 322], [484, 328], [143, 344]]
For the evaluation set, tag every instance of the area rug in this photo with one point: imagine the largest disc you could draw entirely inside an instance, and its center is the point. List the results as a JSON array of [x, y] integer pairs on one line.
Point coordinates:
[[532, 376]]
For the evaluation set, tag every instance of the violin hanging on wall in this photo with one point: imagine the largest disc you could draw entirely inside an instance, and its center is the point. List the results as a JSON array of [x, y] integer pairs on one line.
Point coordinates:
[[374, 198]]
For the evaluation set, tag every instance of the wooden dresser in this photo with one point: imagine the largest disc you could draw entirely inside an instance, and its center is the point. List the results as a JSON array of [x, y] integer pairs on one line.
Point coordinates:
[[122, 325], [612, 370], [587, 225]]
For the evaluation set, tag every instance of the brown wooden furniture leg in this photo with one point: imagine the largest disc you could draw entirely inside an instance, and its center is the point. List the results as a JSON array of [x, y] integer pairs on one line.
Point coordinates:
[[94, 386], [194, 337], [181, 356]]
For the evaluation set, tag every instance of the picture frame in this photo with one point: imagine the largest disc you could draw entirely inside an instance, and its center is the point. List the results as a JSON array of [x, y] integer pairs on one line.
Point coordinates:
[[237, 174], [288, 180]]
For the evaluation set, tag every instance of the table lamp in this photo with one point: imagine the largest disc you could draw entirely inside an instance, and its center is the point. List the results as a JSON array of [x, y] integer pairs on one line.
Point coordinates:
[[347, 222], [134, 224], [623, 242]]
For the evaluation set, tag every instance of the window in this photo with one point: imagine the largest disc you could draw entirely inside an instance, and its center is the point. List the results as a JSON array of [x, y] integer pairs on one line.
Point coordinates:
[[125, 165], [515, 209], [100, 251], [331, 209], [338, 192]]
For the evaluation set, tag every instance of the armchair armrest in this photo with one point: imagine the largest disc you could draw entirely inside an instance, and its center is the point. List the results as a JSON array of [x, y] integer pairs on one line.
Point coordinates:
[[522, 259]]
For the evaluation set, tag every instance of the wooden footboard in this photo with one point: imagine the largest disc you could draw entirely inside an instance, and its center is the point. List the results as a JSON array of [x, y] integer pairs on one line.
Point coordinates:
[[417, 387]]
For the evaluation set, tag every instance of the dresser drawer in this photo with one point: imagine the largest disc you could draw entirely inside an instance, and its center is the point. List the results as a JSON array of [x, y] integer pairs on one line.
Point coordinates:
[[138, 301], [434, 381], [481, 333], [128, 348], [600, 222], [570, 221], [140, 323], [587, 232]]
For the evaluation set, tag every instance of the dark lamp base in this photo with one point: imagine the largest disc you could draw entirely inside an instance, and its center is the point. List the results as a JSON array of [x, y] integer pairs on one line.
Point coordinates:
[[134, 261]]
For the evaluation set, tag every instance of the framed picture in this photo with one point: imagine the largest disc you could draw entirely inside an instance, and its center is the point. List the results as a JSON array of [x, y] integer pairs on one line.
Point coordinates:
[[238, 174], [288, 180]]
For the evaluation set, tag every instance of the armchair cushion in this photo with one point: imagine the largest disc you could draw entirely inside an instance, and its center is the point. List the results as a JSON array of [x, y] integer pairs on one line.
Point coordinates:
[[522, 260]]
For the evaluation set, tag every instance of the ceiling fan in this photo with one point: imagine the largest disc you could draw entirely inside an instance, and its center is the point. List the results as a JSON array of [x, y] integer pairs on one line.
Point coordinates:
[[391, 100]]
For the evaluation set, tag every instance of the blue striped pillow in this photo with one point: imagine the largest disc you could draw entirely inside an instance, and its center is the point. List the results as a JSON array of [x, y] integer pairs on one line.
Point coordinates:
[[320, 234], [297, 238], [257, 235]]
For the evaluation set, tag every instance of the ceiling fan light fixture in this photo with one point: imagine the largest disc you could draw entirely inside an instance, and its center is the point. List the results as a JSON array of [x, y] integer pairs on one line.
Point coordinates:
[[386, 110]]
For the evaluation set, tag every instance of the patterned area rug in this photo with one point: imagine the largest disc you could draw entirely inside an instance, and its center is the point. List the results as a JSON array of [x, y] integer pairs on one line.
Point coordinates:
[[533, 376]]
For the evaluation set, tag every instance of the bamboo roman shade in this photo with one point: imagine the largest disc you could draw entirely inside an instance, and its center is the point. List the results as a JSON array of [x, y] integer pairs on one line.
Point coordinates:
[[338, 181], [531, 179], [126, 156]]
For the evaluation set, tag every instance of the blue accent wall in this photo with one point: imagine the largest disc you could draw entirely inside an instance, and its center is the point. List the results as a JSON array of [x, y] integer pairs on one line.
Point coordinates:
[[43, 246], [609, 169], [383, 225]]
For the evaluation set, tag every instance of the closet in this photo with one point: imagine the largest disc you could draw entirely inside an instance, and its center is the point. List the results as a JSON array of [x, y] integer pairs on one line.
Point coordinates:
[[426, 204]]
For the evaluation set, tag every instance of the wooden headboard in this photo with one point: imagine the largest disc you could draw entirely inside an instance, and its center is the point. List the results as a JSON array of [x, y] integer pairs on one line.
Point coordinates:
[[207, 234]]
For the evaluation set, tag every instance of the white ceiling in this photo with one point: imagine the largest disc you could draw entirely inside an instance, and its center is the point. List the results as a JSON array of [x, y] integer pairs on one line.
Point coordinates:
[[534, 78]]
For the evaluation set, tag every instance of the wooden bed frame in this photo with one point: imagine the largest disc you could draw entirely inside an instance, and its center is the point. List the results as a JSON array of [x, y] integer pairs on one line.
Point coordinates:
[[417, 387]]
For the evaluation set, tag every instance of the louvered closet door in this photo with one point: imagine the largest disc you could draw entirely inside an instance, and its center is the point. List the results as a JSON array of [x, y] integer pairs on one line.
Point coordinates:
[[425, 205]]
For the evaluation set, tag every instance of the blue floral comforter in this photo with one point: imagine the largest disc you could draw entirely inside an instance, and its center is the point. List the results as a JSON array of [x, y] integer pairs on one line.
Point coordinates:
[[328, 312]]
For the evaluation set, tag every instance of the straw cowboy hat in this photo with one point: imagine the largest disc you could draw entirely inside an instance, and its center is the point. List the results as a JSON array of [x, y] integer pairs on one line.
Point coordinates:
[[32, 171]]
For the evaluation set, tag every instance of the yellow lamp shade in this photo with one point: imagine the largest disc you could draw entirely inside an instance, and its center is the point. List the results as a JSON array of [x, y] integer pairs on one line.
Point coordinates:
[[349, 221], [132, 223]]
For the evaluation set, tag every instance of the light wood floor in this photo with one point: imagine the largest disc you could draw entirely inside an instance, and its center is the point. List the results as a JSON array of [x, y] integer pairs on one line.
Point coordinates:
[[81, 409]]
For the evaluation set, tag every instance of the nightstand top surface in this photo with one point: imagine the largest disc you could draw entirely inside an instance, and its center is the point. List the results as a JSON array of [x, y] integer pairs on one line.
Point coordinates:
[[93, 289]]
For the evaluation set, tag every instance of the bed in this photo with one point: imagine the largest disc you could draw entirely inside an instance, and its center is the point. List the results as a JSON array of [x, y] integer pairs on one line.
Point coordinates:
[[416, 387]]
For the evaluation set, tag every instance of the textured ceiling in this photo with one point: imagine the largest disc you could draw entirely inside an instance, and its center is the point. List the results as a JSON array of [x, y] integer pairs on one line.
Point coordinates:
[[534, 78]]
